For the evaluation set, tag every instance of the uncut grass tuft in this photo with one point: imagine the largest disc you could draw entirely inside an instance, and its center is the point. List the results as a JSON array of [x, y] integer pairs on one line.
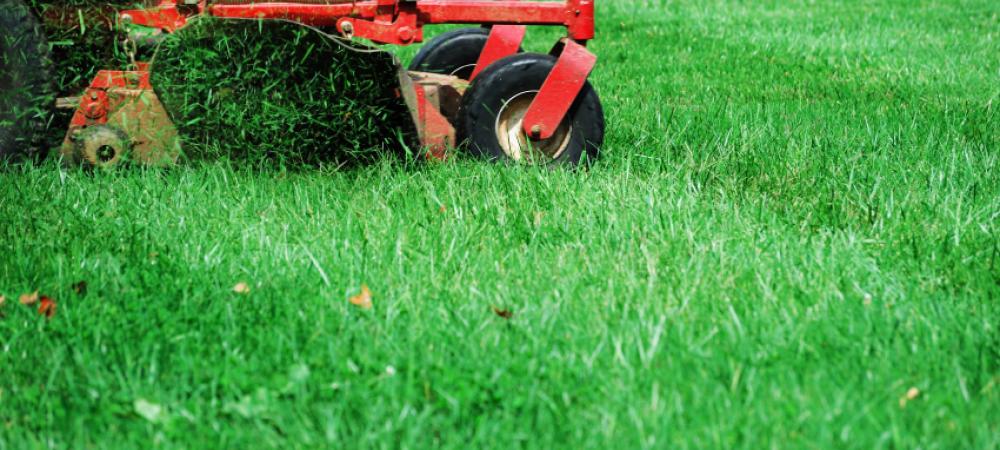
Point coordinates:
[[256, 91]]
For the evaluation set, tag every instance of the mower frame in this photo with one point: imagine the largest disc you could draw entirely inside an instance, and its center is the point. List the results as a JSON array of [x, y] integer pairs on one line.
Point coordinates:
[[401, 22]]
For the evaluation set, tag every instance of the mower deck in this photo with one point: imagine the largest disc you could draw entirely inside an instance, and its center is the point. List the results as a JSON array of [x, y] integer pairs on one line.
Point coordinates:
[[135, 125]]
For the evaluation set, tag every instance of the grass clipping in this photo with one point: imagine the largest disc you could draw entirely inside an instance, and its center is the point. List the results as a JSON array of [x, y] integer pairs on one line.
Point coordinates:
[[263, 91], [84, 37]]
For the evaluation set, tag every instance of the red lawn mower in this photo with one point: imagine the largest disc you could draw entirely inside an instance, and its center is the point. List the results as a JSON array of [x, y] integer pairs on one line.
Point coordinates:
[[470, 88]]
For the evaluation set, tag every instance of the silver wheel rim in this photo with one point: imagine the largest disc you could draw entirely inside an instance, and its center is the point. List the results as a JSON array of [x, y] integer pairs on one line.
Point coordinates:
[[453, 72], [515, 142]]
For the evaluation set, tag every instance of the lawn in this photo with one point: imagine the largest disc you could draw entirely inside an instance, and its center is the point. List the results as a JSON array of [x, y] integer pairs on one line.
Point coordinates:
[[792, 241]]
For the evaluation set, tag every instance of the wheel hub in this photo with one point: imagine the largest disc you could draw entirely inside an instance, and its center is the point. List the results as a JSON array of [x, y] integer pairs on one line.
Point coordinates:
[[517, 144], [101, 146]]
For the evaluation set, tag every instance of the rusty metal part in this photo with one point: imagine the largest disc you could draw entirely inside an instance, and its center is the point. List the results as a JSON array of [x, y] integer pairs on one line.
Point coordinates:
[[125, 102], [101, 146], [433, 101]]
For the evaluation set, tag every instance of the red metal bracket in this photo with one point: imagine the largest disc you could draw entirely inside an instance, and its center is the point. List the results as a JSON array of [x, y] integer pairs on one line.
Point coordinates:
[[504, 40], [123, 101], [94, 105], [559, 91], [576, 15], [432, 99], [403, 30], [436, 133], [167, 16]]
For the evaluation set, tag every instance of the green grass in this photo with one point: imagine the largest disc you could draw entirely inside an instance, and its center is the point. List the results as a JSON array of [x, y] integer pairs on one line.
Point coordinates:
[[796, 221]]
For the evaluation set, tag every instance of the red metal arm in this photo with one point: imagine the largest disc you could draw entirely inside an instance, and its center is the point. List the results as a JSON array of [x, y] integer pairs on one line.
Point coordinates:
[[504, 40], [559, 91]]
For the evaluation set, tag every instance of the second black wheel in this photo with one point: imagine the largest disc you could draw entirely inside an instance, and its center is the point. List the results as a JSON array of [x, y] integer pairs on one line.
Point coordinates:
[[25, 82], [452, 53]]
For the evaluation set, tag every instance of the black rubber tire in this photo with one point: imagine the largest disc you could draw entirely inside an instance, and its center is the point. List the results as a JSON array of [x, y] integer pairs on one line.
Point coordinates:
[[514, 75], [452, 53], [25, 82]]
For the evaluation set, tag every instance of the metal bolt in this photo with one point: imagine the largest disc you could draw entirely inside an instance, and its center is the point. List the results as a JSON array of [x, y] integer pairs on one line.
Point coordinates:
[[132, 80], [406, 34]]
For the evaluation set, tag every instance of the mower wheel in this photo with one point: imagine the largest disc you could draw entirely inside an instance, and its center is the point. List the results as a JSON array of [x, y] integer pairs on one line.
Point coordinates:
[[491, 119], [452, 53], [26, 93]]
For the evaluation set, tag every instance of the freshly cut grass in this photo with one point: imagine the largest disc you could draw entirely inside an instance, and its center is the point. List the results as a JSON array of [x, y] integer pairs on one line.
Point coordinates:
[[85, 38], [264, 91], [793, 241]]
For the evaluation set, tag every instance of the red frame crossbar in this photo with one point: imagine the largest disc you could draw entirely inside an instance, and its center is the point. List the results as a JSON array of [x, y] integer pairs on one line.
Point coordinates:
[[576, 15]]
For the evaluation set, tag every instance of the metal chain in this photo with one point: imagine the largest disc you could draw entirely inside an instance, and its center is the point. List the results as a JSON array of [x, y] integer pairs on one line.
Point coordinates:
[[131, 48]]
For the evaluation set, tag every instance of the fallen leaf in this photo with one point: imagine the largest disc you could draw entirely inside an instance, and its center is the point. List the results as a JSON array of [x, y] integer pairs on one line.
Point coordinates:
[[364, 299], [47, 307], [867, 299], [80, 287], [29, 299], [241, 288], [911, 394], [148, 410], [505, 313], [2, 300]]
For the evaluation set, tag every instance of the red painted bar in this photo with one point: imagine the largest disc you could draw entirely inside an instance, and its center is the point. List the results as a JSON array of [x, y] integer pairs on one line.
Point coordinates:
[[576, 15], [559, 91]]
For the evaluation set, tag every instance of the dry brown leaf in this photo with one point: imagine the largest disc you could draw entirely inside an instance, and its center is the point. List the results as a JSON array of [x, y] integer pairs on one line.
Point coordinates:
[[29, 299], [2, 300], [47, 307], [241, 288], [911, 394], [505, 313], [364, 299]]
